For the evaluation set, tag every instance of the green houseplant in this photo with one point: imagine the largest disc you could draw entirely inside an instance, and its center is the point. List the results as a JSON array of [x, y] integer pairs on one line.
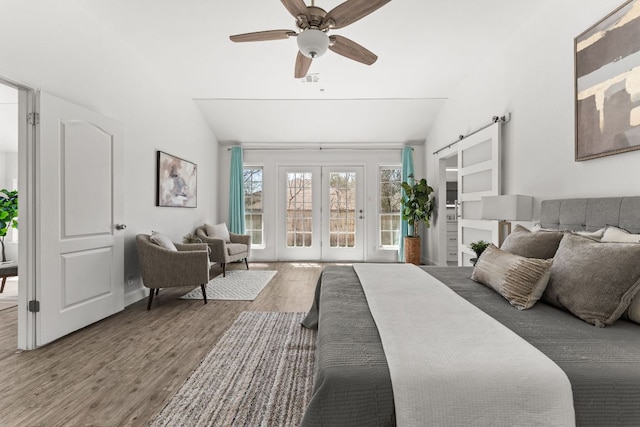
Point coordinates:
[[417, 206], [8, 215], [478, 247]]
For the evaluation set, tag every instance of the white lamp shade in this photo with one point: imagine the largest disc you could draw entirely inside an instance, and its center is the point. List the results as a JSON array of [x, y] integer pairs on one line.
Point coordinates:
[[512, 207], [313, 43]]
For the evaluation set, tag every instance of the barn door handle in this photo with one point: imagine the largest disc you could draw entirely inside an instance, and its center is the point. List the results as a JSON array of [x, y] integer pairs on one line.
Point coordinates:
[[361, 216]]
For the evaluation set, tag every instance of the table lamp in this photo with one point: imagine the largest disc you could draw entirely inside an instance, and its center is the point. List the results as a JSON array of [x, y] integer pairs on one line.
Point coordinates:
[[507, 208]]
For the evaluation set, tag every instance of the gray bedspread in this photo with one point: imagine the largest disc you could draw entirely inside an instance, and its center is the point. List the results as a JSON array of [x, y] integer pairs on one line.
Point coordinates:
[[353, 388]]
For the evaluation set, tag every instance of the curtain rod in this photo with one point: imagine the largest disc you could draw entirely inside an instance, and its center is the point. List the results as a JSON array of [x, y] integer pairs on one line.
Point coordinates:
[[318, 149], [494, 120]]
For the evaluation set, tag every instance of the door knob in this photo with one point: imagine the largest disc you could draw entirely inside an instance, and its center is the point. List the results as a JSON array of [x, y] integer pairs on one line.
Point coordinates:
[[121, 226]]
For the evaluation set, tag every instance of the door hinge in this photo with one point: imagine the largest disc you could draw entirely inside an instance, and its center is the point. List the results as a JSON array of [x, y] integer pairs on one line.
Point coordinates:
[[33, 119], [34, 306]]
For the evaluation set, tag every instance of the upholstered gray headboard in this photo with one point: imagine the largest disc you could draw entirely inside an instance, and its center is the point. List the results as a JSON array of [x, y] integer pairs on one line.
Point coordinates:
[[591, 214]]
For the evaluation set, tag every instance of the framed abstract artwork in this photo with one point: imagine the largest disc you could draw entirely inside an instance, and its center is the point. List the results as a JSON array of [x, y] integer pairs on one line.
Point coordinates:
[[607, 79], [177, 182]]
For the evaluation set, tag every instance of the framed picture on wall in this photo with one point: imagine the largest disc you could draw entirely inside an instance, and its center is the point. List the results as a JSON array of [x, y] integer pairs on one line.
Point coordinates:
[[607, 79], [177, 181]]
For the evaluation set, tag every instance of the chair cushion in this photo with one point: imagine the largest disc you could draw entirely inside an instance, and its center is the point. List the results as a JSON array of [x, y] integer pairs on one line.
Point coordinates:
[[236, 248], [218, 231], [162, 241]]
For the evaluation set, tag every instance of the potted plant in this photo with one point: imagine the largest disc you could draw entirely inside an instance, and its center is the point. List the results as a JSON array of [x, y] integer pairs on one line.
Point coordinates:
[[478, 247], [417, 206], [8, 215]]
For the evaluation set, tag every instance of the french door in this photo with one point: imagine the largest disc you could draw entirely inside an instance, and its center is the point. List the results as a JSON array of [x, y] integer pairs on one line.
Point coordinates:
[[321, 213]]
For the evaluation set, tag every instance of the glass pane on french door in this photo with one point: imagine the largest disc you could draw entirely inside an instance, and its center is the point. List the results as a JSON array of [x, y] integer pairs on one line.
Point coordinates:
[[343, 216], [299, 209], [299, 238]]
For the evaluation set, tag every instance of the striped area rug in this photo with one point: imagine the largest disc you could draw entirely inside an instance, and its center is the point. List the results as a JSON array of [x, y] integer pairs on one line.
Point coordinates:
[[260, 373]]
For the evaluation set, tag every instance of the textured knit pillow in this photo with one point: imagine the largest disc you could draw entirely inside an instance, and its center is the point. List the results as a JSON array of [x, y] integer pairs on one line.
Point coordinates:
[[162, 241], [518, 279], [541, 244], [218, 231], [595, 281], [615, 234]]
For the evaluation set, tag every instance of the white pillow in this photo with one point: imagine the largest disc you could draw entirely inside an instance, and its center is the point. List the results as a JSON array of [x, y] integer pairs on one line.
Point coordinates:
[[163, 241], [633, 312], [218, 231], [593, 234], [618, 235]]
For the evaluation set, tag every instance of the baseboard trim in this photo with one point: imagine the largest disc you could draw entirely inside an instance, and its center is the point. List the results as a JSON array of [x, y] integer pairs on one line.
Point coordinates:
[[135, 296]]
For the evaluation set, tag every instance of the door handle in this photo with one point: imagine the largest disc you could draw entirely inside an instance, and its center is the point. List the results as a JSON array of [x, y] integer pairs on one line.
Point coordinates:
[[121, 226]]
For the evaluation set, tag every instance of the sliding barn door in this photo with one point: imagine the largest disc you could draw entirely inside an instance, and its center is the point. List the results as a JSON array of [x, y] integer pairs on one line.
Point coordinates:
[[478, 176]]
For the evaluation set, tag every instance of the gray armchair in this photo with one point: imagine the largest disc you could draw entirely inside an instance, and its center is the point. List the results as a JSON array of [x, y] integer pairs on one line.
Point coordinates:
[[164, 268], [224, 252]]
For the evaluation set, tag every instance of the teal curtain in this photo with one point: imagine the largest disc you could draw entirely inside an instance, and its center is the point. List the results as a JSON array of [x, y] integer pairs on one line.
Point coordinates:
[[236, 193], [407, 169]]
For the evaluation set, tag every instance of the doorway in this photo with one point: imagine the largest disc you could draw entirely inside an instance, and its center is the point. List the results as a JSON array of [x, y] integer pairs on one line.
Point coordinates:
[[16, 102], [320, 213], [8, 185]]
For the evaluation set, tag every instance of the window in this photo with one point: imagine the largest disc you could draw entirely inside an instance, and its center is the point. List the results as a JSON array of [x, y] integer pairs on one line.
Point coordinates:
[[252, 177], [389, 208]]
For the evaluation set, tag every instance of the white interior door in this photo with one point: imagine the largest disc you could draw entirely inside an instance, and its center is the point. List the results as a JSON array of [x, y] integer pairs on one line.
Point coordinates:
[[478, 176], [79, 254], [342, 213]]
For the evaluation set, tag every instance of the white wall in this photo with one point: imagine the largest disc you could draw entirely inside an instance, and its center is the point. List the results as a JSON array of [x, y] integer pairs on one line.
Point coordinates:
[[270, 160], [59, 47], [532, 76]]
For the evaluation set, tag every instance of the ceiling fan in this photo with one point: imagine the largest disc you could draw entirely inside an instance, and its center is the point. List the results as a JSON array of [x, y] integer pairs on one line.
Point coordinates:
[[314, 24]]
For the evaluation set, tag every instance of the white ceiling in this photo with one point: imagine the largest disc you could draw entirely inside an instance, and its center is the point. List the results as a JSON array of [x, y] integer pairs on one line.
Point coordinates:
[[247, 92]]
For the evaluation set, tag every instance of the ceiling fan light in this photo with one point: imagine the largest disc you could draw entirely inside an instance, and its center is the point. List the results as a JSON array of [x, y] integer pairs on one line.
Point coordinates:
[[313, 43]]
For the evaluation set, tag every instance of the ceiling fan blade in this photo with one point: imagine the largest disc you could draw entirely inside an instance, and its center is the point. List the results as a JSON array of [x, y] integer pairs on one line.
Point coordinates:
[[350, 11], [352, 50], [263, 36], [302, 65], [296, 7]]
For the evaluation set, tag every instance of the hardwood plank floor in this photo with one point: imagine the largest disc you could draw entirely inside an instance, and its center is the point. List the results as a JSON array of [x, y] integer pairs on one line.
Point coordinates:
[[122, 370]]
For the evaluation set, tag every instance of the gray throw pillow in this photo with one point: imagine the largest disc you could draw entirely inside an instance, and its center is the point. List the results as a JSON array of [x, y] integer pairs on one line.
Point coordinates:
[[541, 244], [218, 231], [594, 280], [162, 241], [518, 279]]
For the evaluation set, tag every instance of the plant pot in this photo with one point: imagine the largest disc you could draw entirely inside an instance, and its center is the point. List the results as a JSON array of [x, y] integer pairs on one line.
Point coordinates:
[[412, 250]]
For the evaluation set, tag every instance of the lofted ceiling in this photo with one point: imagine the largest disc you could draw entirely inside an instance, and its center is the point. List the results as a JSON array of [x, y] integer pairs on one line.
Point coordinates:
[[247, 92]]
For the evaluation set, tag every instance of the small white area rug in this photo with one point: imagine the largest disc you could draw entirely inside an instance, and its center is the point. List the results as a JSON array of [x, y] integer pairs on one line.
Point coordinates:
[[243, 285]]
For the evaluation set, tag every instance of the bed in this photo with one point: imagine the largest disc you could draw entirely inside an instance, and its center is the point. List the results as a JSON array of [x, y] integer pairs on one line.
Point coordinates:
[[353, 384]]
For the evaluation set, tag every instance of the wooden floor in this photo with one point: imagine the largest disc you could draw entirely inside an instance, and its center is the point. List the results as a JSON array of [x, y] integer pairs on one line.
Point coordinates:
[[122, 370]]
